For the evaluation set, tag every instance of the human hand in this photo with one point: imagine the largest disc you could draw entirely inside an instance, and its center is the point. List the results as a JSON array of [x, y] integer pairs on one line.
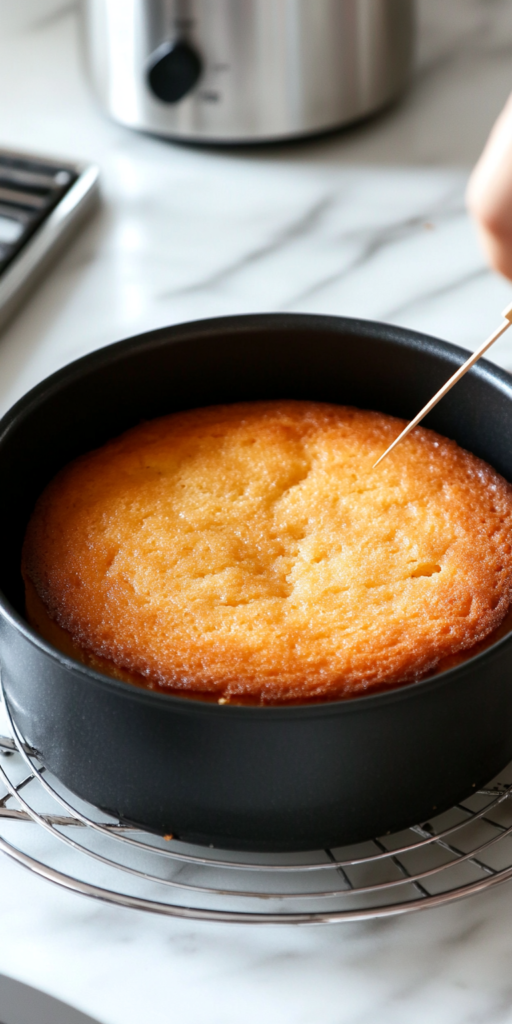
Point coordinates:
[[489, 194]]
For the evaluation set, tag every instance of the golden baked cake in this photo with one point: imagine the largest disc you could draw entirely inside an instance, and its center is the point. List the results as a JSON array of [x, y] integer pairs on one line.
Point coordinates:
[[249, 552]]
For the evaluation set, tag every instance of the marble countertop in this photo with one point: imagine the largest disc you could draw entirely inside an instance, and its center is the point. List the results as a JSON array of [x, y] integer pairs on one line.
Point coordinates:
[[368, 222]]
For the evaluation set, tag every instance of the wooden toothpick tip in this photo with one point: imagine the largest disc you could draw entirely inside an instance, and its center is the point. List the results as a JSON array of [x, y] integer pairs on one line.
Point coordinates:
[[507, 318]]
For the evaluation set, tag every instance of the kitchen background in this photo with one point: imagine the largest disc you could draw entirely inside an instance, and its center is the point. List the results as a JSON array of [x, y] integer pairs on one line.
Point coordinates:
[[368, 222]]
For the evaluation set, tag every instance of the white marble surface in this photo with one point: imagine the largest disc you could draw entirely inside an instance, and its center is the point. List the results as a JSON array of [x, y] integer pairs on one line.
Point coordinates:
[[368, 222]]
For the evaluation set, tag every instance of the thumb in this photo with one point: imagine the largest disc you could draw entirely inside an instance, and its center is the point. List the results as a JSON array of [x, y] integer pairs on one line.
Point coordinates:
[[489, 194]]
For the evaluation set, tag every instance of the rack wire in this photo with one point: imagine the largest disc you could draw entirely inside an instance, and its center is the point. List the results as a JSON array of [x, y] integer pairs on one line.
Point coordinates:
[[66, 841]]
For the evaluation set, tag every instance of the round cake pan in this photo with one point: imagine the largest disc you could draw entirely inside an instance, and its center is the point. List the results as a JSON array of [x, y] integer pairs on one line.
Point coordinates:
[[261, 778]]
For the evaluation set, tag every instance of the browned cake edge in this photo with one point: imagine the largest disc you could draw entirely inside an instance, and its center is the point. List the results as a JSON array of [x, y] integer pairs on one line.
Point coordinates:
[[40, 620]]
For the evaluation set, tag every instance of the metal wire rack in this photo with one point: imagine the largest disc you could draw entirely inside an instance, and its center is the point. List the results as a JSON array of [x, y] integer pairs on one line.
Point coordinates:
[[50, 831]]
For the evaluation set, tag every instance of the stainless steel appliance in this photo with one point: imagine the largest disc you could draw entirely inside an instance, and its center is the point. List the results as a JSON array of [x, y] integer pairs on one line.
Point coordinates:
[[246, 70], [42, 203]]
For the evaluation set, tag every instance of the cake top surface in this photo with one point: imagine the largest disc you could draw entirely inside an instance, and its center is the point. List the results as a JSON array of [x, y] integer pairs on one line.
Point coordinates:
[[251, 550]]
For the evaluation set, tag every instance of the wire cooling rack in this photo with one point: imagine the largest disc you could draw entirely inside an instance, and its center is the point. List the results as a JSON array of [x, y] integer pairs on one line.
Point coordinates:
[[50, 831]]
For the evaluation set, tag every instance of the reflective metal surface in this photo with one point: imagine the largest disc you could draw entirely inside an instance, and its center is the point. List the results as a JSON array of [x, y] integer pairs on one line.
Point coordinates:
[[246, 70], [460, 852], [42, 203]]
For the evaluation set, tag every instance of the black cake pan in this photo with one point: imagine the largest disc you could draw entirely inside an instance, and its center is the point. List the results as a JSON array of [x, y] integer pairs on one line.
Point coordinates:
[[261, 778]]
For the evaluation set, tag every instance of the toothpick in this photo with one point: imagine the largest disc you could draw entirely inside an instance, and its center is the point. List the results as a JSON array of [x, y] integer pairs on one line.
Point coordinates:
[[507, 314]]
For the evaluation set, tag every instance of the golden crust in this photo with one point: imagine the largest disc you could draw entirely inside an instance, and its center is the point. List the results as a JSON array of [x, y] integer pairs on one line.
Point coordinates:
[[249, 551]]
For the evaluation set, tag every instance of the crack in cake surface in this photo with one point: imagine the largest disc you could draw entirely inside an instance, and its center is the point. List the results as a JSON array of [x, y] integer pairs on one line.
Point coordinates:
[[248, 549]]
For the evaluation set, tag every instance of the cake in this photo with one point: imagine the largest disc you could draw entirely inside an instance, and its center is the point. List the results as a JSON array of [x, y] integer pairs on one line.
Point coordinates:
[[250, 553]]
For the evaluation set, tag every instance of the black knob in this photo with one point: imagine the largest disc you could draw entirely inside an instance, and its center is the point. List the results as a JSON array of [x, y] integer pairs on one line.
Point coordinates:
[[175, 70]]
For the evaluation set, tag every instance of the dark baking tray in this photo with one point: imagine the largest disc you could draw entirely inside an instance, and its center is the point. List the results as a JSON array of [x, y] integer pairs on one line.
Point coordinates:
[[272, 778]]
